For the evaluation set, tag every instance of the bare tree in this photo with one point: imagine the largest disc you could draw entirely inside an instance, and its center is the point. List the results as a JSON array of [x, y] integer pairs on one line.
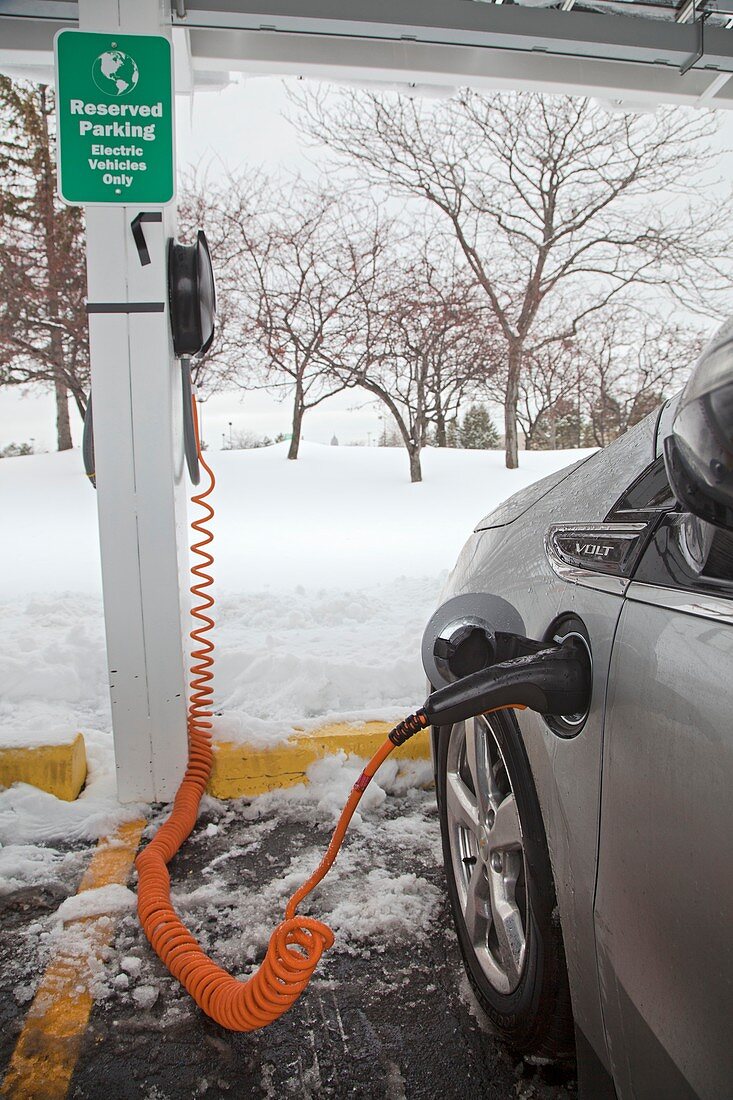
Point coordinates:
[[288, 262], [629, 365], [43, 324], [558, 206], [446, 322], [232, 209], [589, 390], [422, 345], [552, 377], [309, 268]]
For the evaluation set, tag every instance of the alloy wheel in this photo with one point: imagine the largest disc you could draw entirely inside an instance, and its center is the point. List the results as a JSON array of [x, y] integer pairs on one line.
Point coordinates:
[[487, 853]]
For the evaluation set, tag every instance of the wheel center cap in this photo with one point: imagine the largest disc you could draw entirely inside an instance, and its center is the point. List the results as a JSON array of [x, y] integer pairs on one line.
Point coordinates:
[[483, 843]]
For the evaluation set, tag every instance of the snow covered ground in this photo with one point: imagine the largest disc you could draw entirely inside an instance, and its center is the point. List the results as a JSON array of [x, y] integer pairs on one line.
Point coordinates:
[[327, 569], [339, 518]]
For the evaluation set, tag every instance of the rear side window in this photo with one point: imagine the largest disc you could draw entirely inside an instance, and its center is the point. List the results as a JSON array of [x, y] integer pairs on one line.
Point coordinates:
[[688, 553]]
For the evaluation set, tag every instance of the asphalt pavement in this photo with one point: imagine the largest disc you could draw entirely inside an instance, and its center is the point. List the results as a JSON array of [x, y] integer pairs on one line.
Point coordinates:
[[384, 1017]]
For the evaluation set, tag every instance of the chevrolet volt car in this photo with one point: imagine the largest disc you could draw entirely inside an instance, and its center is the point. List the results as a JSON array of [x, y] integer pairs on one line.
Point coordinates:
[[589, 856]]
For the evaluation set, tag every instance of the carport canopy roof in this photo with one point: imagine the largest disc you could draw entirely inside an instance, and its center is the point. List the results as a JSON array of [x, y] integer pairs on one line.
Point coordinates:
[[631, 53]]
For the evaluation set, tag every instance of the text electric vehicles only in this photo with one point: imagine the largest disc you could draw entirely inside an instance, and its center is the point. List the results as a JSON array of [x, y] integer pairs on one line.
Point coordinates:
[[589, 856]]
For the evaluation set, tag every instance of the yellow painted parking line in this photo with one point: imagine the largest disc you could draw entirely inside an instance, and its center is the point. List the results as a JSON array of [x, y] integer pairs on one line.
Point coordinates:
[[48, 1046]]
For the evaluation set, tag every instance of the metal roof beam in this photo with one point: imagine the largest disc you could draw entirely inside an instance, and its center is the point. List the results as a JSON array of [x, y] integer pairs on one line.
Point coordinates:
[[629, 61], [626, 85], [446, 22], [489, 26]]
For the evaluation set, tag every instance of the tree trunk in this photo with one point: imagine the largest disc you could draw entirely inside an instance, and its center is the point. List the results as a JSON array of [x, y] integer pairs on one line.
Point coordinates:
[[298, 413], [81, 400], [45, 203], [63, 424], [511, 401], [441, 433], [415, 467]]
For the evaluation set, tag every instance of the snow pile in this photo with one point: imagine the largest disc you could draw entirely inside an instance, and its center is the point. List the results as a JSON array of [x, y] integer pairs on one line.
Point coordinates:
[[53, 675], [329, 783], [399, 906], [22, 865], [338, 518], [100, 901], [317, 656]]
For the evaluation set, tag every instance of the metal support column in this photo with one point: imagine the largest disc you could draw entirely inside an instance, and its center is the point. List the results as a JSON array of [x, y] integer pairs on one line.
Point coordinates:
[[139, 469]]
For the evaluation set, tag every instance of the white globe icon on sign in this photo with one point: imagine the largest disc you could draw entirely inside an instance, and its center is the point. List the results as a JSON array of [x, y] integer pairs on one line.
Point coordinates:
[[115, 72]]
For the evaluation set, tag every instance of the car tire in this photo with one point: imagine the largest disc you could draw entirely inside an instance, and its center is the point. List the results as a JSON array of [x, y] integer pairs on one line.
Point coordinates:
[[500, 884]]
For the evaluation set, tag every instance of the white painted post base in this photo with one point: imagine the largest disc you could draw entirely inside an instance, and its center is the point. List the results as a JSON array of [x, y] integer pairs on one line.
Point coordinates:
[[141, 488]]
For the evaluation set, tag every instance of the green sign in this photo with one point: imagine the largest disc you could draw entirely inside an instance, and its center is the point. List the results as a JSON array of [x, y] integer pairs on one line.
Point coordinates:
[[114, 108]]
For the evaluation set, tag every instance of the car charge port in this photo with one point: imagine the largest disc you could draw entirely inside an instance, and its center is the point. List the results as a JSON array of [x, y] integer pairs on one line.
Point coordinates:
[[570, 630]]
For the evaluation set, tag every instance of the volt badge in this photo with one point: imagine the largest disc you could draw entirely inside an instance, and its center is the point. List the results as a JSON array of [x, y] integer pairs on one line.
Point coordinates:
[[604, 548]]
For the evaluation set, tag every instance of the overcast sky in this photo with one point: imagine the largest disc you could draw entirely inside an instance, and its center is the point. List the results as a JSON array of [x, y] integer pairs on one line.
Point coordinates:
[[243, 125]]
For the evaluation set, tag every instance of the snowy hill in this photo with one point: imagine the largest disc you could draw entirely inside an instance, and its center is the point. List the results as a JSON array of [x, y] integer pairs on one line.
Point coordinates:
[[339, 517]]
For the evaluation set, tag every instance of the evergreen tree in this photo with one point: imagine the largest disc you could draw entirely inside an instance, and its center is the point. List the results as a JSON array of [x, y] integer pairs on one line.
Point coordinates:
[[569, 427], [43, 325], [453, 434], [478, 432]]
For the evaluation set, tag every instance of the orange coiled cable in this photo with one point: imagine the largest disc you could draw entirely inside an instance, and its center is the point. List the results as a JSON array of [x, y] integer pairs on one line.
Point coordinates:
[[297, 944]]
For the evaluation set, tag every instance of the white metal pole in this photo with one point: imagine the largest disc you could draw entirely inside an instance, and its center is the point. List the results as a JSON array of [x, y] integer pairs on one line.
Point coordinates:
[[139, 471]]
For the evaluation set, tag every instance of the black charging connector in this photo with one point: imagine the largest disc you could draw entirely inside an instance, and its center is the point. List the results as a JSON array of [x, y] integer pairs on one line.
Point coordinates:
[[548, 678], [552, 679], [466, 646]]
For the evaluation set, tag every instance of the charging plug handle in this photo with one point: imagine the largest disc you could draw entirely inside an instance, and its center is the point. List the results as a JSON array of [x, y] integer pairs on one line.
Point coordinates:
[[555, 680]]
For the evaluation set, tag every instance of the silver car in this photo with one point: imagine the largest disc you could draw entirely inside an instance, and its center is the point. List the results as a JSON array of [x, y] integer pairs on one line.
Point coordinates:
[[589, 856]]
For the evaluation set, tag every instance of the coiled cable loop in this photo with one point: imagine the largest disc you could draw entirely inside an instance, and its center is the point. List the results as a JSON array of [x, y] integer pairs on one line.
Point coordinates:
[[298, 942]]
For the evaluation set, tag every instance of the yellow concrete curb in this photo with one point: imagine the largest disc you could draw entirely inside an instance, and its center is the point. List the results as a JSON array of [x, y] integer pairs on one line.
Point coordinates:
[[239, 769], [246, 770], [58, 769], [48, 1046]]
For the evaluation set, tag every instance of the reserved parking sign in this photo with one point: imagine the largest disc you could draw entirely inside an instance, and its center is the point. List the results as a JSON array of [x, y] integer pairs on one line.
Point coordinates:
[[114, 110]]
